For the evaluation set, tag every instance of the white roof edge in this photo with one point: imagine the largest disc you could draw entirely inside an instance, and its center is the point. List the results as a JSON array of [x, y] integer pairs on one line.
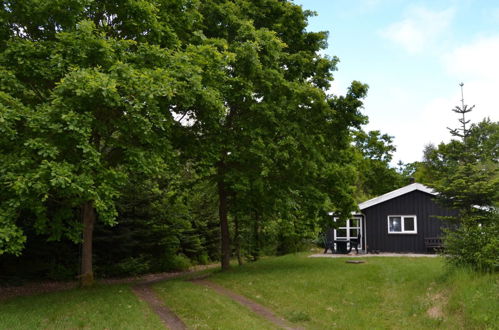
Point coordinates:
[[396, 193]]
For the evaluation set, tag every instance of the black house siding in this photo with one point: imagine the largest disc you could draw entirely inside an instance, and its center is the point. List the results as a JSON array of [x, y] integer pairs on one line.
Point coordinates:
[[416, 203]]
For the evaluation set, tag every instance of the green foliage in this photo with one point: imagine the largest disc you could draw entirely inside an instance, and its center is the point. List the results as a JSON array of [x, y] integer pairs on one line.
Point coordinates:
[[86, 95], [203, 259], [41, 259], [130, 266], [375, 146], [466, 175], [59, 272], [373, 154], [160, 227], [152, 112], [474, 245], [279, 144], [174, 263]]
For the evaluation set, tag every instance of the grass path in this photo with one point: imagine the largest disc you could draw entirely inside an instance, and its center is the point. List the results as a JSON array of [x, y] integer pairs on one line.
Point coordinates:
[[253, 306], [170, 319], [203, 308]]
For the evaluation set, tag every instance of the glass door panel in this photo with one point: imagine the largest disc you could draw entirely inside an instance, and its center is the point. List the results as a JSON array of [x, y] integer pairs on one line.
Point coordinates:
[[349, 230]]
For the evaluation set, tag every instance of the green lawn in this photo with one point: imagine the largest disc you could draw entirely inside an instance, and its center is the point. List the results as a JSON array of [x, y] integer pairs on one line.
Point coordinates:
[[103, 307], [202, 308], [393, 293], [314, 293]]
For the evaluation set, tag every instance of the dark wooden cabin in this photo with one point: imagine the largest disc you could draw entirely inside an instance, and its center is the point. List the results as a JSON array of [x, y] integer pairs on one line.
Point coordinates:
[[403, 221]]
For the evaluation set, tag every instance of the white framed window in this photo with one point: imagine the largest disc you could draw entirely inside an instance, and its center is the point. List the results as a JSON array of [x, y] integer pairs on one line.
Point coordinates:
[[402, 224]]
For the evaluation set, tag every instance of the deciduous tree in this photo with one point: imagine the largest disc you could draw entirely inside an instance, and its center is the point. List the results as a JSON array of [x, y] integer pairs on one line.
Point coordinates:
[[87, 93], [277, 145]]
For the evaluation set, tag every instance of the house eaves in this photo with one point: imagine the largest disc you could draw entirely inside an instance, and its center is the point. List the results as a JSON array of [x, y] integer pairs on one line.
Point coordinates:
[[396, 193]]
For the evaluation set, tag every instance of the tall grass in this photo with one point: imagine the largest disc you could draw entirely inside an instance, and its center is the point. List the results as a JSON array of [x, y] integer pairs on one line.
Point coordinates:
[[474, 297], [324, 293]]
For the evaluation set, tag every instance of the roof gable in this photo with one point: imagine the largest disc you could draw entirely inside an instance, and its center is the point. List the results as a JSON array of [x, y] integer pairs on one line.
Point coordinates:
[[396, 193]]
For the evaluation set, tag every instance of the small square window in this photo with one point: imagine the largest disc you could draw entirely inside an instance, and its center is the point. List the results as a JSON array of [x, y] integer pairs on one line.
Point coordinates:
[[409, 224], [402, 224], [395, 224]]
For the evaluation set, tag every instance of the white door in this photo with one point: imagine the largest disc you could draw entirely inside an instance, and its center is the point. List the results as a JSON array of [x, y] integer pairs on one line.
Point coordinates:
[[352, 229]]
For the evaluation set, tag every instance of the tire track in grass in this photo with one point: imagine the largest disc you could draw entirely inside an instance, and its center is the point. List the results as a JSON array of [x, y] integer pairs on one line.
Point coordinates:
[[144, 292], [170, 319], [248, 303]]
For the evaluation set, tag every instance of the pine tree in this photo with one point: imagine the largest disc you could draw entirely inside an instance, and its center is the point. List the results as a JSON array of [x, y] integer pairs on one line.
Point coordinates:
[[462, 132], [467, 180]]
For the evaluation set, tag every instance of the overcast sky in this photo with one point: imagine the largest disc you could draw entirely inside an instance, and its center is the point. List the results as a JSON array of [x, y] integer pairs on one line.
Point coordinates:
[[413, 55]]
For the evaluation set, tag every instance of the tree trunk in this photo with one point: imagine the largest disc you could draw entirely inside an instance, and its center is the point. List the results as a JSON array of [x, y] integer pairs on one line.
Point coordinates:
[[237, 240], [87, 274], [224, 223], [256, 237]]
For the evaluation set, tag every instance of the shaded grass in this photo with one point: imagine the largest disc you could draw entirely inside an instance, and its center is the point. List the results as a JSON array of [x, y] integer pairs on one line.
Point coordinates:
[[320, 293], [102, 307], [202, 308]]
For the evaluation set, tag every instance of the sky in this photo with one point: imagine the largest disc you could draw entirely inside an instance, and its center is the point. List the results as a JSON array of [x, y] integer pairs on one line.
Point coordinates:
[[413, 55]]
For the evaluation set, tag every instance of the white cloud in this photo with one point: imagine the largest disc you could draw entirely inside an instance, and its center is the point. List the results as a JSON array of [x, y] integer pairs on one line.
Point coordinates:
[[420, 29], [394, 110], [476, 65], [477, 60], [437, 116]]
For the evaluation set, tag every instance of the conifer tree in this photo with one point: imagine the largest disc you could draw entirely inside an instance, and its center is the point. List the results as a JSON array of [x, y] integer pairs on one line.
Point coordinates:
[[467, 180]]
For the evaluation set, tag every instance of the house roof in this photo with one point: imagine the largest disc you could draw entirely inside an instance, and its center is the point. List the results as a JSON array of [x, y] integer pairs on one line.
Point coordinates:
[[396, 193]]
